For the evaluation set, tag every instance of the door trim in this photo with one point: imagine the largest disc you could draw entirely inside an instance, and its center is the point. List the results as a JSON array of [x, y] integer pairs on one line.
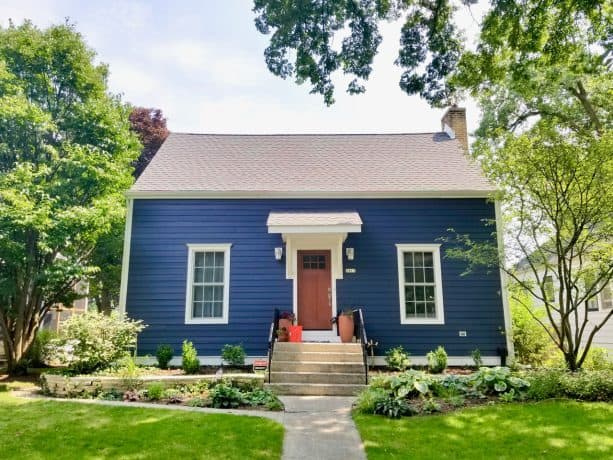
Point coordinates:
[[328, 254]]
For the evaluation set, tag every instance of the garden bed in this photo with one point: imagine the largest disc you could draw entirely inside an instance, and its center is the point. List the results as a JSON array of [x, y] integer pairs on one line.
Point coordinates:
[[91, 385]]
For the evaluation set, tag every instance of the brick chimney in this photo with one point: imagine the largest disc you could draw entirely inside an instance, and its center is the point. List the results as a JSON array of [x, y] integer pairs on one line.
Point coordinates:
[[454, 124]]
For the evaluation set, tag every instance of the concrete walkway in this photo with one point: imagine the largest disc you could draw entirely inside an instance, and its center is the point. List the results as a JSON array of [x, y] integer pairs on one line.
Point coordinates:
[[320, 428], [316, 427]]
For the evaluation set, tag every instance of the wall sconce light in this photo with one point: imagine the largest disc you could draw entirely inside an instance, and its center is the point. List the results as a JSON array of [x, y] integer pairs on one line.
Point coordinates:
[[350, 253], [278, 253]]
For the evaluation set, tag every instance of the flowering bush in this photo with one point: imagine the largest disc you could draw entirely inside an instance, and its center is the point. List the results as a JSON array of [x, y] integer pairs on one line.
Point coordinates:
[[93, 341]]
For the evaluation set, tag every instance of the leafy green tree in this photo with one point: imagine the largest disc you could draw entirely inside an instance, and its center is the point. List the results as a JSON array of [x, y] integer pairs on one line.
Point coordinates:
[[543, 77], [305, 32], [65, 154], [310, 40]]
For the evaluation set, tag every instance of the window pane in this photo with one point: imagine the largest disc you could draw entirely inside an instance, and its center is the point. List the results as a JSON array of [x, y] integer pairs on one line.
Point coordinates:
[[218, 276], [430, 293], [420, 293], [409, 293], [428, 260], [198, 275], [419, 259], [208, 293], [218, 293], [218, 309], [430, 310], [208, 309], [408, 259], [198, 293], [209, 275], [429, 275], [219, 259], [197, 310], [408, 275], [199, 259], [419, 275], [209, 259], [420, 307], [410, 309]]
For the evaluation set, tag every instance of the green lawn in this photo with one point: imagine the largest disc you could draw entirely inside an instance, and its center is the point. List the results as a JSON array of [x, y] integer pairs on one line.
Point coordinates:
[[550, 429], [57, 430]]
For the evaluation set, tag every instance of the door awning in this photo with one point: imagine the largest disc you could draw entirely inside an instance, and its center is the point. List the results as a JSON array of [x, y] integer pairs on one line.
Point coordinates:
[[314, 222]]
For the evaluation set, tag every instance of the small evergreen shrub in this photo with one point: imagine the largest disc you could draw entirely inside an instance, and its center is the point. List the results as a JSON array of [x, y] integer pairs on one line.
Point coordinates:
[[190, 362], [397, 358], [234, 355], [155, 391], [164, 354], [437, 360]]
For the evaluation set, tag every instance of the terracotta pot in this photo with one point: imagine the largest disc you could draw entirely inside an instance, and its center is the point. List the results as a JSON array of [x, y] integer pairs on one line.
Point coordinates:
[[285, 323], [283, 336], [345, 328]]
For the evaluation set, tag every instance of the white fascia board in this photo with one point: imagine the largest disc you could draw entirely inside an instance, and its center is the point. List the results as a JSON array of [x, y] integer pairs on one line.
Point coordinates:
[[125, 260], [302, 229], [439, 194]]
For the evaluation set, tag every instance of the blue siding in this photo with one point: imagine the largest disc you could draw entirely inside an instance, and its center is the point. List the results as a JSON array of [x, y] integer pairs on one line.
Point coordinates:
[[158, 269]]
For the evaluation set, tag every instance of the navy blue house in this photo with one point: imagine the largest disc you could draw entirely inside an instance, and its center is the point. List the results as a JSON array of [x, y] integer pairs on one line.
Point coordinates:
[[223, 229]]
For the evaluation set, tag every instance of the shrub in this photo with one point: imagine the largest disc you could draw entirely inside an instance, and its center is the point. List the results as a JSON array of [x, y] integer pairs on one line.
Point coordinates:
[[437, 360], [597, 359], [545, 384], [37, 354], [155, 391], [173, 396], [190, 362], [234, 355], [397, 358], [367, 400], [3, 387], [226, 396], [93, 341], [497, 380], [476, 356], [164, 354], [533, 346], [588, 385], [263, 397]]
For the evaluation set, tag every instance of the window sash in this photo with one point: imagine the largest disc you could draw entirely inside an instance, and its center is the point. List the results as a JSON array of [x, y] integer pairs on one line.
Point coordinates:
[[420, 284], [208, 284]]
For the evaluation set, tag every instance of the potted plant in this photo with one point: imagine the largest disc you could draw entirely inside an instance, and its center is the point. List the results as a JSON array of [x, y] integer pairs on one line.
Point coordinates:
[[286, 319], [345, 325], [283, 334]]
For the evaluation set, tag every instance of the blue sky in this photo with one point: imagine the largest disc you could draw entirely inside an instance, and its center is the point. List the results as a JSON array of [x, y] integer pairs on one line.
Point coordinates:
[[201, 62]]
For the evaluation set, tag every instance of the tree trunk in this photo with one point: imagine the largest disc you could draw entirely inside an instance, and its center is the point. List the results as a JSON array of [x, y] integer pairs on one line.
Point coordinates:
[[16, 345]]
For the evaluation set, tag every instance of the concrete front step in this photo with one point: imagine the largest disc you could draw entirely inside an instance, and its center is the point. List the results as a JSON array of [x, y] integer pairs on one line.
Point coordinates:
[[316, 377], [318, 347], [296, 366], [317, 356], [315, 389]]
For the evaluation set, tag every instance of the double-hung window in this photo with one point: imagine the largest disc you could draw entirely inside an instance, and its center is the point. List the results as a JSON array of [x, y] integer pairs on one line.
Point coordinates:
[[420, 284], [208, 284]]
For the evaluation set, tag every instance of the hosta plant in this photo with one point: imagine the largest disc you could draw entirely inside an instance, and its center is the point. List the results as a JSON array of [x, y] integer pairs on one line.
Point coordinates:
[[497, 380]]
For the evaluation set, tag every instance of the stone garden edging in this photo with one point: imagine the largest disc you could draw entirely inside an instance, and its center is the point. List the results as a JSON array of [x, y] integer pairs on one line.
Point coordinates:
[[63, 386]]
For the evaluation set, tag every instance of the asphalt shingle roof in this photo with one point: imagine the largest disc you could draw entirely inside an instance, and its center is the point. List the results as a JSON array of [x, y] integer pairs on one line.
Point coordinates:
[[329, 163]]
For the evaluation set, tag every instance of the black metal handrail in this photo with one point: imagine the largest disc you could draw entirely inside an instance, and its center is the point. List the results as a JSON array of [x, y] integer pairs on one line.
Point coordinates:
[[272, 338], [360, 333]]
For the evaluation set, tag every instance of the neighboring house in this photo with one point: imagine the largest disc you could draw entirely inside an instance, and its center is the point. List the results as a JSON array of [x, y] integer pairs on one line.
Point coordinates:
[[597, 308], [222, 229]]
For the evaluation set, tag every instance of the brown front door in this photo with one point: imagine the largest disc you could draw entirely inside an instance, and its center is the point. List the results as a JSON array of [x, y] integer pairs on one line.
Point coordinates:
[[314, 290]]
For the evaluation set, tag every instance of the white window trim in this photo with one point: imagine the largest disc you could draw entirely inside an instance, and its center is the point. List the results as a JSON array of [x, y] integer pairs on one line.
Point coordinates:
[[438, 280], [192, 249]]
